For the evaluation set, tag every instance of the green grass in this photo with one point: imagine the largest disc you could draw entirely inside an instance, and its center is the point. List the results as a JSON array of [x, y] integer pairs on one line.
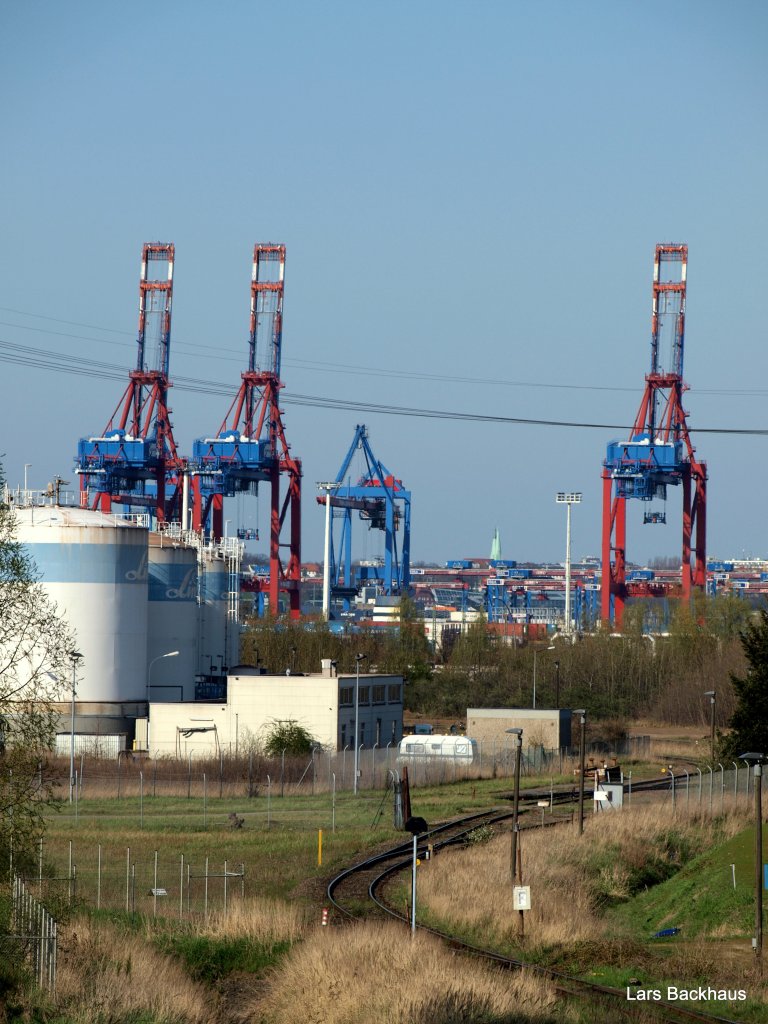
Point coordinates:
[[211, 959], [700, 898]]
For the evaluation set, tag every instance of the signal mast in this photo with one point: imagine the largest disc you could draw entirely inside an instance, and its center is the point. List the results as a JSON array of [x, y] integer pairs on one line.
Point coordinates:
[[134, 458], [250, 446], [658, 452]]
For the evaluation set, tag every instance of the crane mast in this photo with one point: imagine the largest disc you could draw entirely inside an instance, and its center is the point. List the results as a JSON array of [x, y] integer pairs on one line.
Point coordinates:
[[134, 459], [250, 446], [658, 452]]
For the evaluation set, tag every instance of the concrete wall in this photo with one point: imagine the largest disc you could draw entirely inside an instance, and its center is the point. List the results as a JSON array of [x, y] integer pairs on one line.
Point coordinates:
[[323, 704], [546, 728]]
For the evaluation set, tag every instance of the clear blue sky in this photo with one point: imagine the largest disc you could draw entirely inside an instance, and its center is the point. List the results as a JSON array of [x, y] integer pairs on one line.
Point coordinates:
[[470, 196]]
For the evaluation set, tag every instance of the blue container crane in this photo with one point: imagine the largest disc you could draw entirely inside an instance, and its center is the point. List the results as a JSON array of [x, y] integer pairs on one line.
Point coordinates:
[[134, 462], [250, 446], [658, 451], [380, 499]]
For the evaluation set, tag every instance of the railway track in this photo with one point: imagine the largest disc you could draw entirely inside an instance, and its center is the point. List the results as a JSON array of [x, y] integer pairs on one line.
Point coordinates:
[[355, 893]]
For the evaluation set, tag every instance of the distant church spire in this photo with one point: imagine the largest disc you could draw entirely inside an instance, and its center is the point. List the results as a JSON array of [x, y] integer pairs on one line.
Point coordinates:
[[496, 546]]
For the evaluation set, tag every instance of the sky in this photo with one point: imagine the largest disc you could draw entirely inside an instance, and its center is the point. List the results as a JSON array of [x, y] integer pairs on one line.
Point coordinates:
[[470, 196]]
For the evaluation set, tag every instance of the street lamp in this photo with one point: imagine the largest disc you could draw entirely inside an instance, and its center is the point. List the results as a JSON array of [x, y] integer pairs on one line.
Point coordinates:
[[535, 652], [581, 712], [712, 695], [327, 486], [358, 659], [75, 656], [757, 770], [568, 498], [170, 654]]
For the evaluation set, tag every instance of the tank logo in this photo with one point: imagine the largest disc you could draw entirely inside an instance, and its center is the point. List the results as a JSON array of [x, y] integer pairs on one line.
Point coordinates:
[[140, 574], [187, 590]]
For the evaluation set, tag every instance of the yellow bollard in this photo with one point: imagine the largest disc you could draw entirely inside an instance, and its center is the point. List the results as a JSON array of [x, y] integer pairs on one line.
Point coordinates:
[[319, 847]]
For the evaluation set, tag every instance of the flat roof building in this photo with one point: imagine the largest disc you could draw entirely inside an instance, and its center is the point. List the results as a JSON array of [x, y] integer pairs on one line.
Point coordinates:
[[321, 702]]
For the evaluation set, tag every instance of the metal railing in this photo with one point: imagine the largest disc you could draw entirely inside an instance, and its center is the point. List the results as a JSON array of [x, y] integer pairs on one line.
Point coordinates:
[[35, 931]]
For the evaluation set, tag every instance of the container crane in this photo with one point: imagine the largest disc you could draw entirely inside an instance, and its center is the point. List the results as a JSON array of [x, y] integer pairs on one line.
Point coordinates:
[[380, 499], [250, 446], [134, 459], [658, 451]]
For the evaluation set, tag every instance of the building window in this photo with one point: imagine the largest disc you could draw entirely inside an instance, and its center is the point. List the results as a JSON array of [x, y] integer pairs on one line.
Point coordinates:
[[379, 694], [346, 696], [365, 695], [394, 693]]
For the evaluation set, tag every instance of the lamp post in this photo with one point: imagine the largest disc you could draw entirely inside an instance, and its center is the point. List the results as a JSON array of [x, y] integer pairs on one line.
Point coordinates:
[[581, 712], [169, 654], [327, 486], [75, 656], [568, 498], [535, 652], [358, 659], [518, 734], [712, 696]]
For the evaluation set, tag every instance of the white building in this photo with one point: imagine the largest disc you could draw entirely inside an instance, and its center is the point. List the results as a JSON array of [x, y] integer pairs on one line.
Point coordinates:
[[321, 702]]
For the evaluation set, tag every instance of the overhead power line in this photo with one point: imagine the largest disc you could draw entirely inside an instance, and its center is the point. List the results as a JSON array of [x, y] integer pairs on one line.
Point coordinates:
[[43, 359]]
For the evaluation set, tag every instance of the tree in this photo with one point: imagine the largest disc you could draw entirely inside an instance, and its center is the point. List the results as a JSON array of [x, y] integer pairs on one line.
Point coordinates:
[[290, 737], [749, 721], [35, 649]]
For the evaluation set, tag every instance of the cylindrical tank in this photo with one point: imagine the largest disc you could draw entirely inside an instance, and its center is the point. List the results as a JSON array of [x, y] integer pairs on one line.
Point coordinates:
[[173, 618], [94, 566], [219, 631]]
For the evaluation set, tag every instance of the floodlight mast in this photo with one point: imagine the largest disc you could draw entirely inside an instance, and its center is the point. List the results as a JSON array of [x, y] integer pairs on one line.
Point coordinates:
[[568, 498]]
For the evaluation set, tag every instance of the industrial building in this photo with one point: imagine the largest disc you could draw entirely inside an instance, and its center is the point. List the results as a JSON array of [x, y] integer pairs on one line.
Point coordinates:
[[321, 702], [546, 728]]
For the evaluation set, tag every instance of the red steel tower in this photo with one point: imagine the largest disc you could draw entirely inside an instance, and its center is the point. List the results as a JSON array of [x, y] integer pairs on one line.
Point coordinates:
[[658, 452], [250, 446], [135, 456]]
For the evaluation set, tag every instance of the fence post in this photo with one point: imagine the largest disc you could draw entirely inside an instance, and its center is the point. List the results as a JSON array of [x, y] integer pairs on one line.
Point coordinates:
[[250, 775], [221, 774], [225, 888], [154, 890], [189, 776], [181, 889], [128, 880], [206, 889], [98, 880], [205, 798]]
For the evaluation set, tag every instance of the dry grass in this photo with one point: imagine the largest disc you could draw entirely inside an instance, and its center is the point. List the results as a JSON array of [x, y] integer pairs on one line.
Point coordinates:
[[260, 920], [571, 880], [374, 972], [107, 974]]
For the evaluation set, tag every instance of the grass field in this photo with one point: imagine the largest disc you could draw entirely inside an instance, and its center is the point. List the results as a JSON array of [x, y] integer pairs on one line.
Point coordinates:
[[265, 957]]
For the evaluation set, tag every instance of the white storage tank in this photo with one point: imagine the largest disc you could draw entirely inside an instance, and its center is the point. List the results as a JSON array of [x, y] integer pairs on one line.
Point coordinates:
[[219, 629], [94, 566], [173, 619]]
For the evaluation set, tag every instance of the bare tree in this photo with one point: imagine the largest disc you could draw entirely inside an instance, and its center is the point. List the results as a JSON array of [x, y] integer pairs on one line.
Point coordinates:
[[35, 662]]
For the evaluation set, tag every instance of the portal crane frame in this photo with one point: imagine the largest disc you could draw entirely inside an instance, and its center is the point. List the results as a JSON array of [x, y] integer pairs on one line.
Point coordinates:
[[658, 452], [250, 446], [135, 457], [381, 500]]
